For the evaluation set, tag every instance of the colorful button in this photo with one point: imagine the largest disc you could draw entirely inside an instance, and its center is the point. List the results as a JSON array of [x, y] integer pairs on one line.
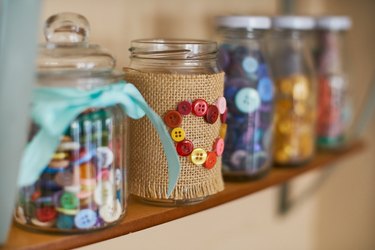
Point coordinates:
[[64, 179], [184, 108], [69, 200], [200, 107], [178, 134], [247, 100], [68, 146], [300, 90], [85, 219], [224, 116], [67, 211], [104, 157], [221, 104], [19, 215], [211, 160], [223, 130], [104, 193], [238, 157], [212, 114], [265, 89], [87, 171], [184, 148], [111, 212], [65, 221], [39, 223], [219, 146], [58, 164], [45, 214], [173, 119], [198, 156], [250, 64], [59, 156]]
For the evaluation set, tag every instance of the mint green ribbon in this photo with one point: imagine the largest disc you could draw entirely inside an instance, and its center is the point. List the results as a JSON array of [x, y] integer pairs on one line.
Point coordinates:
[[55, 108]]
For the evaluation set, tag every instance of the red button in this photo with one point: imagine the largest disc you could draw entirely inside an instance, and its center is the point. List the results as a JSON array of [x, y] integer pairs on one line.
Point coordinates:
[[223, 117], [172, 119], [45, 214], [184, 148], [212, 114], [211, 160], [200, 107], [184, 108]]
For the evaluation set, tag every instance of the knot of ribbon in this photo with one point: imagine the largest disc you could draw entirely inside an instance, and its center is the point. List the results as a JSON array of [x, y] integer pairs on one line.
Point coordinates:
[[54, 109]]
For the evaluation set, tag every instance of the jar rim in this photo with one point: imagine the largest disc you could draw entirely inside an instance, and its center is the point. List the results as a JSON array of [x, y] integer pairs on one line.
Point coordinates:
[[173, 49]]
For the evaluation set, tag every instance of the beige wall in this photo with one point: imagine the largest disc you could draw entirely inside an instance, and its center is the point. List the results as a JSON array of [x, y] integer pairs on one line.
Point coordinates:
[[341, 215]]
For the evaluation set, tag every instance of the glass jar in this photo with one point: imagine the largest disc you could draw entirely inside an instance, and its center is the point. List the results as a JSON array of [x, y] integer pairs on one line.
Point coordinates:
[[295, 106], [84, 185], [333, 99], [181, 81], [249, 91]]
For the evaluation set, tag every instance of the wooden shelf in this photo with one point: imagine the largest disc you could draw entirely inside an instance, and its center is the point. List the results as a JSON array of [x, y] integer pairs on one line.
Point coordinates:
[[141, 216]]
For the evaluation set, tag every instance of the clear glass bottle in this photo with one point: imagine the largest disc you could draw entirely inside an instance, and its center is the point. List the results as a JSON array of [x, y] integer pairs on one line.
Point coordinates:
[[249, 91], [295, 106], [333, 97], [83, 187], [173, 74]]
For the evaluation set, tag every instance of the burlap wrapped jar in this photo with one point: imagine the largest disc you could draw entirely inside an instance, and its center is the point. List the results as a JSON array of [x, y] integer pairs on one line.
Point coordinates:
[[165, 79]]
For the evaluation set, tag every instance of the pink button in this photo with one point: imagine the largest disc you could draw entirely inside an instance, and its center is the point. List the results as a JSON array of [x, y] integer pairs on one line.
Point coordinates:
[[221, 104], [219, 146], [200, 107]]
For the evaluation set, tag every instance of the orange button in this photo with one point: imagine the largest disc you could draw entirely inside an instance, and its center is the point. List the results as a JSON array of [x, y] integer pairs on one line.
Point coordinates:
[[173, 119], [211, 160]]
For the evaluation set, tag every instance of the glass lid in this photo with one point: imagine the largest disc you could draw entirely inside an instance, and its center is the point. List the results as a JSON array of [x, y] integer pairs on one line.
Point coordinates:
[[68, 51]]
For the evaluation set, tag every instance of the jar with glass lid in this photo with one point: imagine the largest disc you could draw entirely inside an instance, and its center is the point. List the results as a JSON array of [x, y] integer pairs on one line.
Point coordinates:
[[295, 103], [249, 91], [82, 185], [182, 82]]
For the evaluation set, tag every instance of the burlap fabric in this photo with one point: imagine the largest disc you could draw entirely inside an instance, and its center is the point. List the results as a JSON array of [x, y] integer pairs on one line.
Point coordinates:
[[147, 163]]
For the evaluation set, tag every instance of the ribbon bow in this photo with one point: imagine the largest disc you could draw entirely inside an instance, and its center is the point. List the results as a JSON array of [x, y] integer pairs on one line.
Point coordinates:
[[55, 108]]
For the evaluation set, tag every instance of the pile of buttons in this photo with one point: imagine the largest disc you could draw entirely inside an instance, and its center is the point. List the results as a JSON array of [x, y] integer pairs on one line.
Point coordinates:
[[82, 186], [332, 110], [210, 113], [295, 120], [249, 92]]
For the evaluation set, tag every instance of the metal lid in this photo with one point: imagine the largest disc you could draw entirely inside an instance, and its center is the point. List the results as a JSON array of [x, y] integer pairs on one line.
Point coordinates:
[[334, 22], [67, 50], [247, 22], [294, 22]]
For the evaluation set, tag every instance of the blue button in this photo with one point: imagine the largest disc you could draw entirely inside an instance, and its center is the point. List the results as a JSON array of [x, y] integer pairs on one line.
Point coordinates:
[[247, 100], [65, 221], [85, 219], [250, 64], [265, 89]]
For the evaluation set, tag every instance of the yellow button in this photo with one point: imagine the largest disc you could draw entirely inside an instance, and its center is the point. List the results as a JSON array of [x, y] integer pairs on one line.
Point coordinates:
[[59, 156], [198, 156], [223, 130], [178, 134], [301, 90], [286, 86]]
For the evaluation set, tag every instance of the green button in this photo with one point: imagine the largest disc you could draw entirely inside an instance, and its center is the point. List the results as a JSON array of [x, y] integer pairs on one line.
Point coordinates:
[[247, 100], [69, 201]]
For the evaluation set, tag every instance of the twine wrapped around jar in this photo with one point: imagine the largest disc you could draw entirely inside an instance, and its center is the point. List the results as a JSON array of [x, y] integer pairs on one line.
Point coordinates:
[[148, 166]]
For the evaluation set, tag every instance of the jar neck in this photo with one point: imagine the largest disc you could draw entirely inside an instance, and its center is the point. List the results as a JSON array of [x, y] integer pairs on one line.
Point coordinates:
[[174, 56], [241, 33]]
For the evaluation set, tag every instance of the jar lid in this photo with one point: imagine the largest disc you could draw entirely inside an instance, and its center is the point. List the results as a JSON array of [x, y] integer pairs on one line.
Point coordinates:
[[67, 50], [248, 22], [294, 22], [334, 22]]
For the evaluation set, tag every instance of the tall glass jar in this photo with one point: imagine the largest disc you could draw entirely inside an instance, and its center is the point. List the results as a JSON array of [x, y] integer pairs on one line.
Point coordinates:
[[83, 187], [249, 91], [182, 82], [295, 106], [333, 98]]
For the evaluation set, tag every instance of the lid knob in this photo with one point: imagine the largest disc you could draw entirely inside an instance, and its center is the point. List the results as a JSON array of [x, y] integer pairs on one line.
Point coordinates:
[[67, 28]]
